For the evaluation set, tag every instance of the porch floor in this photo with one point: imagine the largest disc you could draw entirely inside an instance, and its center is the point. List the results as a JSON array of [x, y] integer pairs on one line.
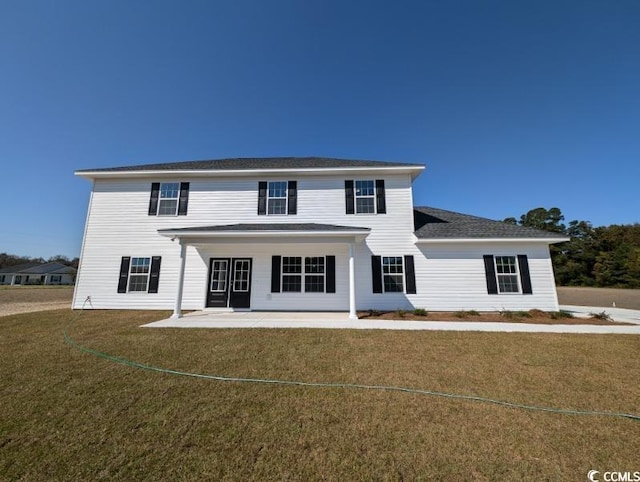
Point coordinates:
[[337, 320]]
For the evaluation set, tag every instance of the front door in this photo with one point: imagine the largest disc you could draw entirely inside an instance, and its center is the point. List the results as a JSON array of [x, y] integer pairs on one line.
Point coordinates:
[[229, 283]]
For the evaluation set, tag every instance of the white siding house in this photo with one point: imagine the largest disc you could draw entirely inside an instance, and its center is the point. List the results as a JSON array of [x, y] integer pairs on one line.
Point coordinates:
[[297, 234]]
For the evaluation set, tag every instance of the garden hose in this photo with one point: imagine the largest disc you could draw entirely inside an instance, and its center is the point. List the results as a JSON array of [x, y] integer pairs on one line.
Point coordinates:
[[473, 398]]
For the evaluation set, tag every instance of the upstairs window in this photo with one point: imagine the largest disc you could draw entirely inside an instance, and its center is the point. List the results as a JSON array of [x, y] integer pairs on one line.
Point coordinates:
[[364, 196], [277, 197], [169, 195], [169, 199], [365, 193]]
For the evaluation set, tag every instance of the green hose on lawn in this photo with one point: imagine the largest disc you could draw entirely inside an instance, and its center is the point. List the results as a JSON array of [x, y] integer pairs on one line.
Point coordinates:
[[142, 366]]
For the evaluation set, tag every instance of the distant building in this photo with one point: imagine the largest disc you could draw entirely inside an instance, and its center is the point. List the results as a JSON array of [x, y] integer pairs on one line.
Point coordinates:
[[38, 274]]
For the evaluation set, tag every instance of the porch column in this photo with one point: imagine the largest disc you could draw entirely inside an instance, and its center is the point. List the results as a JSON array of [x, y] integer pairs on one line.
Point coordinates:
[[177, 310], [352, 282]]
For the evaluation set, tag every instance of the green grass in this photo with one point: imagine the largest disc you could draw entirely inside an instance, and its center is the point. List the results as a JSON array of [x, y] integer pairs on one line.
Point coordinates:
[[66, 415]]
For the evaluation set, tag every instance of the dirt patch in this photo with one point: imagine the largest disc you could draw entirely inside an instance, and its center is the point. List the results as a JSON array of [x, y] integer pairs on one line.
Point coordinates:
[[23, 299], [7, 309], [605, 297], [534, 317]]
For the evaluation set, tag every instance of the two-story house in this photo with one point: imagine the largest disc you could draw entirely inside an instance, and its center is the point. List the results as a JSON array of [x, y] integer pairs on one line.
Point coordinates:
[[310, 234]]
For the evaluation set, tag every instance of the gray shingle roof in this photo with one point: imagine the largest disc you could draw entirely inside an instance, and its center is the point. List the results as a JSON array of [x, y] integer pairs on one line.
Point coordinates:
[[39, 268], [269, 227], [16, 268], [254, 163], [433, 223]]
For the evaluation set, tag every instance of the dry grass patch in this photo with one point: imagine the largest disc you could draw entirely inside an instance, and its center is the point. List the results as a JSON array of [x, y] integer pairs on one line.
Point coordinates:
[[65, 415]]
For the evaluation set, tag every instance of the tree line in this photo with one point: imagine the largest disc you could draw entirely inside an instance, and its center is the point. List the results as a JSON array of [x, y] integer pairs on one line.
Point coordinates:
[[603, 256], [7, 260]]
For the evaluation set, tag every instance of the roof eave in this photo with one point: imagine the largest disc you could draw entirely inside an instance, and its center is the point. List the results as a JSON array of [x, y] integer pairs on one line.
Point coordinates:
[[159, 173], [491, 240], [258, 234]]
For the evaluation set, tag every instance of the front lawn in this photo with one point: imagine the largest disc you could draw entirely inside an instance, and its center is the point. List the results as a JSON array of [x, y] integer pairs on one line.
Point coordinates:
[[67, 415]]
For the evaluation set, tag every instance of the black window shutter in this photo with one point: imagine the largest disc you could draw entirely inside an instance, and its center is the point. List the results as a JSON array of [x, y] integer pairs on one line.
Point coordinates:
[[153, 202], [292, 207], [348, 195], [331, 274], [275, 273], [376, 273], [410, 275], [262, 197], [124, 274], [184, 199], [381, 203], [490, 274], [155, 274], [525, 277]]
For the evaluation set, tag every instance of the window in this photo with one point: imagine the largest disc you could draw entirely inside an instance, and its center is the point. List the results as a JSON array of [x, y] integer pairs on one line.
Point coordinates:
[[219, 275], [392, 274], [507, 274], [55, 278], [169, 199], [365, 197], [277, 197], [2, 278], [139, 274], [365, 194], [168, 202], [241, 275], [312, 273], [291, 274], [18, 280]]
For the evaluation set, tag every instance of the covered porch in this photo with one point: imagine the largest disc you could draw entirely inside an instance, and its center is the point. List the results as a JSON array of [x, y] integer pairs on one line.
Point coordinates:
[[272, 267]]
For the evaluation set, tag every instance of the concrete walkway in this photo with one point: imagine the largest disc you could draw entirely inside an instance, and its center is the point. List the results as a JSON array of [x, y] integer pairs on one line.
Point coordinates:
[[257, 319]]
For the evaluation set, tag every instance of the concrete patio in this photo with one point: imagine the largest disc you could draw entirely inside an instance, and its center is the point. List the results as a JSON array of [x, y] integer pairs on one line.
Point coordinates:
[[340, 320]]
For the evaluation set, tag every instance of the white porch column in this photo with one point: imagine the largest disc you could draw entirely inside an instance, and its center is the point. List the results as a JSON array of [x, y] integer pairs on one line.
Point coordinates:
[[177, 310], [352, 282]]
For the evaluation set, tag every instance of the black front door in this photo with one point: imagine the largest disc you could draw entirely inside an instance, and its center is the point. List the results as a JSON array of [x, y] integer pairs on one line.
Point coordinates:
[[229, 283]]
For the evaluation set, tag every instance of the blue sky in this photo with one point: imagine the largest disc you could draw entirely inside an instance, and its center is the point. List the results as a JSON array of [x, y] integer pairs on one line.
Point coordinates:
[[512, 105]]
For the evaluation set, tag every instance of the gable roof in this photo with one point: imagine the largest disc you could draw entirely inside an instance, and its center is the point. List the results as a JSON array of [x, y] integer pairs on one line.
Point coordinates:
[[16, 268], [221, 166], [39, 268], [433, 223]]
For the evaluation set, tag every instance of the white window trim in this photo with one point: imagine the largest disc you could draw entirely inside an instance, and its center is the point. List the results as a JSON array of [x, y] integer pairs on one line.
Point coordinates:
[[226, 279], [372, 196], [303, 274], [160, 199], [286, 199], [404, 280], [516, 274], [235, 263], [148, 274]]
